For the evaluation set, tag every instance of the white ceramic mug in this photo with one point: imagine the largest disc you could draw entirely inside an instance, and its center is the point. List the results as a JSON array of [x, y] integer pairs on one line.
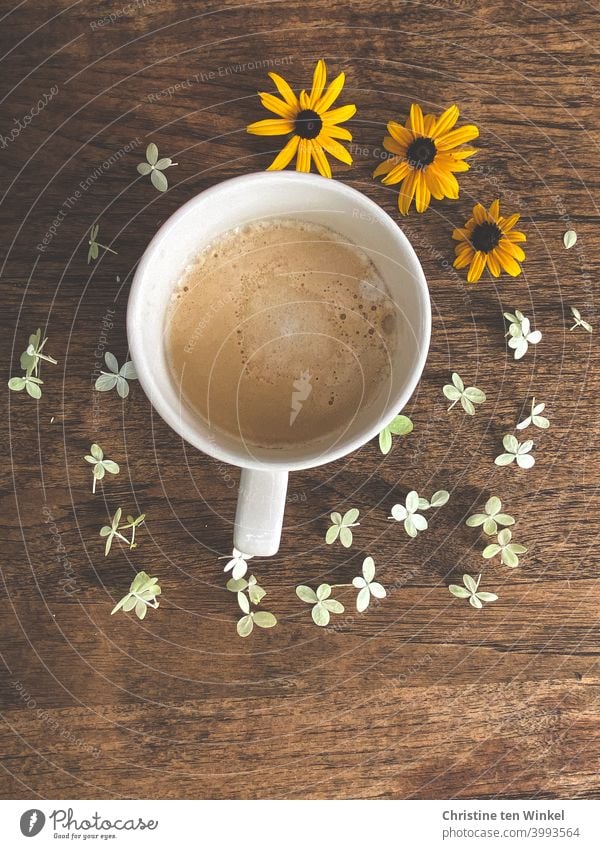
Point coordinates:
[[263, 483]]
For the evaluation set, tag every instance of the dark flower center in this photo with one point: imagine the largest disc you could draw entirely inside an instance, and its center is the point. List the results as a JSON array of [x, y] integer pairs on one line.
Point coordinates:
[[421, 152], [308, 124], [485, 236]]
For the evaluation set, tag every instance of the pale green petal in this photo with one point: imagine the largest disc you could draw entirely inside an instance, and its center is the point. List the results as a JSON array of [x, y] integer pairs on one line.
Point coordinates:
[[306, 594], [409, 527], [489, 526], [467, 406], [412, 501], [144, 169], [490, 551], [525, 461], [476, 520], [439, 498], [451, 392], [332, 534], [457, 381], [368, 569], [504, 536], [333, 605], [159, 181], [243, 602], [106, 382], [323, 591], [128, 371], [122, 387], [385, 441], [363, 599], [377, 590], [152, 153], [399, 512], [350, 516], [346, 537], [487, 596], [320, 615], [264, 619], [111, 467], [401, 426], [470, 583], [504, 459], [458, 591], [475, 395], [475, 602], [492, 505], [245, 625]]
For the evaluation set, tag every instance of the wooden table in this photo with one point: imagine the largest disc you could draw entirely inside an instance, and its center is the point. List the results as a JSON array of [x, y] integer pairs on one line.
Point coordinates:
[[421, 696]]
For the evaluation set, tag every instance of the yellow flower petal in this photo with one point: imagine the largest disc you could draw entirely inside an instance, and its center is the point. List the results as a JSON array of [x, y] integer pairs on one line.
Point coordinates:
[[303, 160], [457, 137], [386, 166], [335, 132], [397, 173], [464, 152], [434, 183], [446, 121], [304, 100], [407, 191], [493, 264], [416, 119], [333, 147], [429, 125], [464, 259], [461, 234], [403, 136], [279, 107], [477, 267], [284, 89], [332, 93], [507, 224], [318, 83], [449, 184], [512, 249], [515, 236], [320, 159], [336, 116], [494, 210], [271, 127], [394, 146], [508, 263], [479, 213], [285, 156], [422, 194]]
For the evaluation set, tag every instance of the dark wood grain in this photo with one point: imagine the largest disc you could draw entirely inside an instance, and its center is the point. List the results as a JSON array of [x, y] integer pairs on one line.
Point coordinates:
[[421, 696]]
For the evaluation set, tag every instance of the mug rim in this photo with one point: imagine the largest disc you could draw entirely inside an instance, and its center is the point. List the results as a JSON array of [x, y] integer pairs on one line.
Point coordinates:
[[197, 436]]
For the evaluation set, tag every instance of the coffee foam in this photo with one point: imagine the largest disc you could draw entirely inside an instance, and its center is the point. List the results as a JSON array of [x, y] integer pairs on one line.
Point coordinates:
[[275, 300]]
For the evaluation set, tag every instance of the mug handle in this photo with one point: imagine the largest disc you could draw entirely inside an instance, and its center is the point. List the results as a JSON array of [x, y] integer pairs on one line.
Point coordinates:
[[259, 513]]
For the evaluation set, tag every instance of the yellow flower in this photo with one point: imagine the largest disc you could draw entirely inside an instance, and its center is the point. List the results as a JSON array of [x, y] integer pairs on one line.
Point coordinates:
[[310, 120], [426, 157], [488, 239]]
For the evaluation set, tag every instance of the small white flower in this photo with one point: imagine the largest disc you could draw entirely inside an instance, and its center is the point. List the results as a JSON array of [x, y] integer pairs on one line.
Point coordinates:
[[521, 334], [237, 565], [468, 397], [579, 321], [407, 513], [340, 527], [516, 450], [367, 586], [471, 591], [491, 518], [535, 418], [507, 550]]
